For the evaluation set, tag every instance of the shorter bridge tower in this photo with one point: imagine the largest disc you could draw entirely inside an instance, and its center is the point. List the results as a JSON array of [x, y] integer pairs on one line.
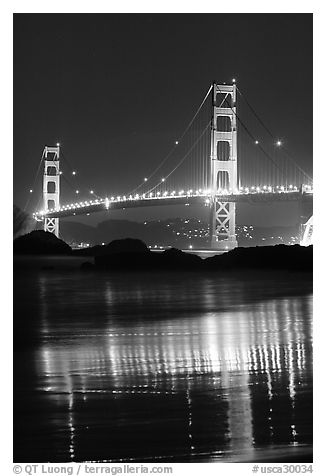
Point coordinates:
[[223, 173], [51, 187]]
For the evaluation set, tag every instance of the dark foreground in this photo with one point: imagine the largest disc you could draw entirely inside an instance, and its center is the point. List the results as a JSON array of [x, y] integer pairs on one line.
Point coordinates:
[[162, 366]]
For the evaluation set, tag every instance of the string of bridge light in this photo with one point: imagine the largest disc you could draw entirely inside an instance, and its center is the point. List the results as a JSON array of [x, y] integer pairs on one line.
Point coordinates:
[[224, 194], [265, 187]]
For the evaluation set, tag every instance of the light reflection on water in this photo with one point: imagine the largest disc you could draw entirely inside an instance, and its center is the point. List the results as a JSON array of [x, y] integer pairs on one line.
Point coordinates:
[[169, 367]]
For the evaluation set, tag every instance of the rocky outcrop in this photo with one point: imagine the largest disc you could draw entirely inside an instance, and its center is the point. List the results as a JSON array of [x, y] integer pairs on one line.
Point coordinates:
[[40, 243]]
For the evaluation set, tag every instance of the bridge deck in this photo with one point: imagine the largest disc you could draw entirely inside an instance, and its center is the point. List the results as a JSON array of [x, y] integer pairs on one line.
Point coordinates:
[[93, 206]]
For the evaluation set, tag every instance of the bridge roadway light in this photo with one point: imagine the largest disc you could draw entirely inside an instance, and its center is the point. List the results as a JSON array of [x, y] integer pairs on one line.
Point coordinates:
[[145, 179], [256, 142], [163, 179]]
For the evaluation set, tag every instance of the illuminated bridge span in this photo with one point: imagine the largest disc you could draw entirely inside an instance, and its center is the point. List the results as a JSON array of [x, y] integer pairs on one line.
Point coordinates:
[[189, 198], [207, 165]]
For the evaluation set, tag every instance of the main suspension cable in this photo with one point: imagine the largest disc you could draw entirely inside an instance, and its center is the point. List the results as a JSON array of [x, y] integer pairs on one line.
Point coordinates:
[[271, 135], [176, 143], [183, 158]]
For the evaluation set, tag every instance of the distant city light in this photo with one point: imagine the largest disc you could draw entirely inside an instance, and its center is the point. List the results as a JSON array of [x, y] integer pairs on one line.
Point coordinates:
[[190, 247], [163, 179], [256, 142], [77, 191], [73, 172], [30, 190], [176, 142], [58, 144], [145, 179], [60, 173], [91, 191], [278, 143], [233, 80]]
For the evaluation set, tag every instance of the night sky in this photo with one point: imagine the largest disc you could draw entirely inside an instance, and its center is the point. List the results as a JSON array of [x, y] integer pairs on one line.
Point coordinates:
[[116, 90]]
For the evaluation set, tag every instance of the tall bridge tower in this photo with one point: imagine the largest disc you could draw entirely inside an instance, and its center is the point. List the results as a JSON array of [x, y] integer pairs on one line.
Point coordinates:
[[223, 170], [51, 187]]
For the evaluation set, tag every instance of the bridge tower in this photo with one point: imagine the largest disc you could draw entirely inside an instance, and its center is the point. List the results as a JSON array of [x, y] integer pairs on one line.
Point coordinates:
[[51, 187], [223, 168]]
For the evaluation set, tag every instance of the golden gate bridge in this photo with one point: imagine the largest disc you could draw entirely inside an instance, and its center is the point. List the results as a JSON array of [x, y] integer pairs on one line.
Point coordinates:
[[221, 158]]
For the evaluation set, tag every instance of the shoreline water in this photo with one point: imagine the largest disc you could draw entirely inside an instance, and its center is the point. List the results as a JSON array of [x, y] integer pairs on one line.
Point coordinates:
[[116, 365]]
